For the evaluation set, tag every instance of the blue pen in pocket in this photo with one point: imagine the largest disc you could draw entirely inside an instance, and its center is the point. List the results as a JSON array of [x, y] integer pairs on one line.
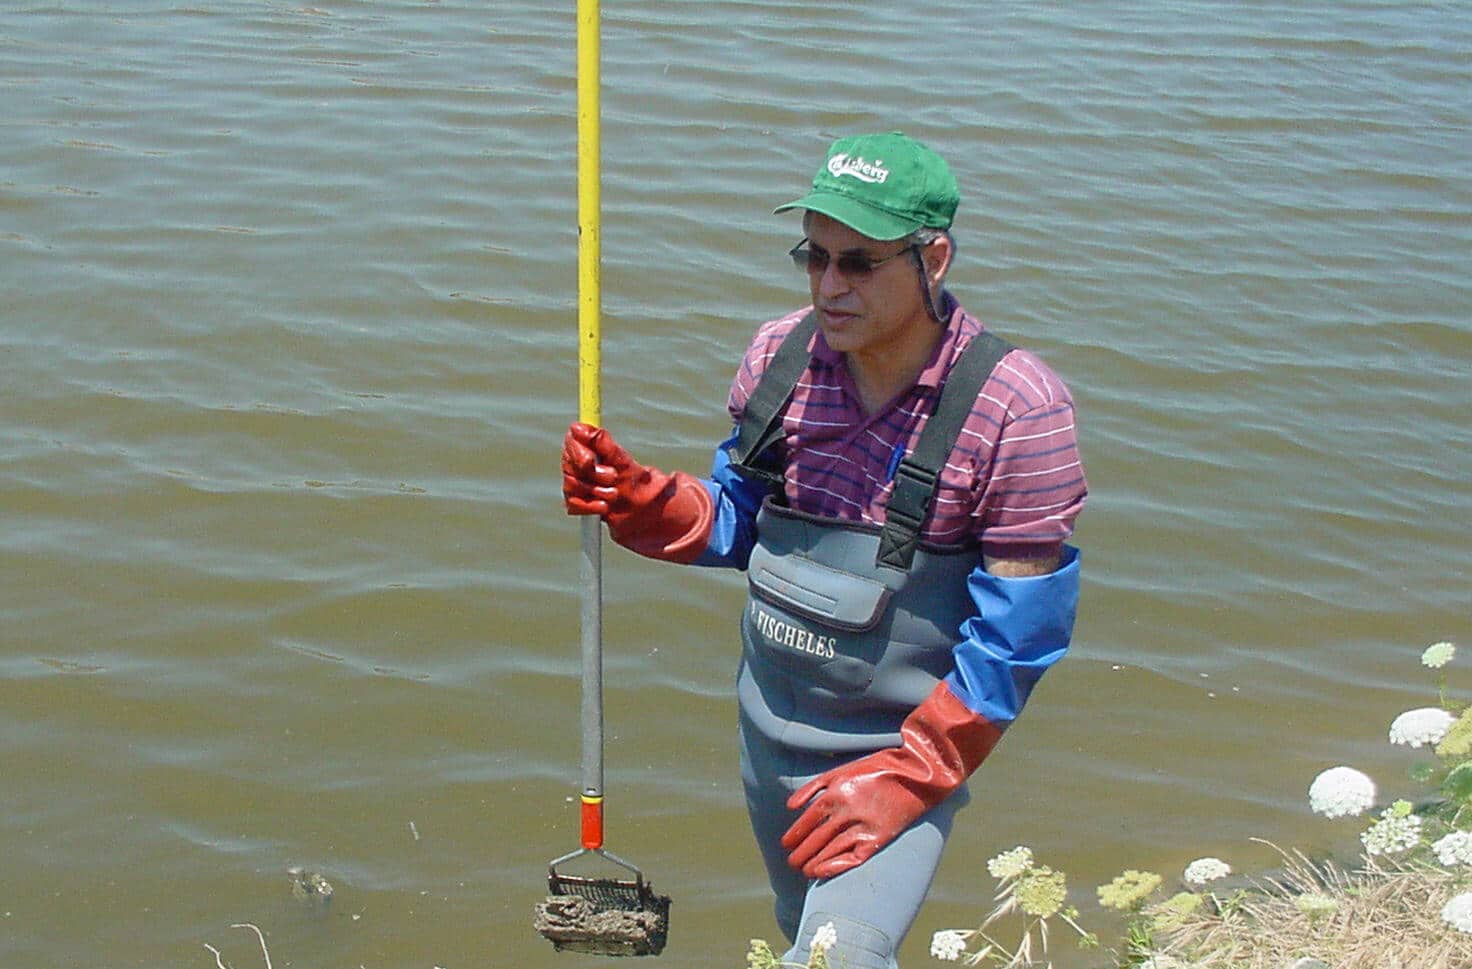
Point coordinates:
[[894, 461]]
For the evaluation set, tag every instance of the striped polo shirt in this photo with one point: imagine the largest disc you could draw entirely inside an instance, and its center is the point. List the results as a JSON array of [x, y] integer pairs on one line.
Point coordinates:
[[1014, 480]]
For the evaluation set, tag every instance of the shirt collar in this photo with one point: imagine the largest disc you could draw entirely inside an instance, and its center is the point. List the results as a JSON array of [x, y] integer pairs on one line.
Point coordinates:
[[935, 370]]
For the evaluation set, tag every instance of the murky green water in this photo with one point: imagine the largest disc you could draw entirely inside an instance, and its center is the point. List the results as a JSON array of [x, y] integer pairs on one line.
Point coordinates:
[[287, 349]]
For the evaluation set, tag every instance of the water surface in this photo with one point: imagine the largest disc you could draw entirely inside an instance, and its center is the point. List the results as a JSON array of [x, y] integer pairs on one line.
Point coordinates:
[[288, 347]]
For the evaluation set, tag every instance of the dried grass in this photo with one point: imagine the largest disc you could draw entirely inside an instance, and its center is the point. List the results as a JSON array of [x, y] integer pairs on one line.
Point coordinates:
[[1386, 918]]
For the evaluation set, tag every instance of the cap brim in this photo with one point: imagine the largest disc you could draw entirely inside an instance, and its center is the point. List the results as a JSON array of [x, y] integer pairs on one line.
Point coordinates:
[[863, 219]]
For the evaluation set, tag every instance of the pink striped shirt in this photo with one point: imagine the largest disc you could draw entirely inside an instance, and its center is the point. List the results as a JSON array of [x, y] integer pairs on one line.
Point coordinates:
[[1014, 481]]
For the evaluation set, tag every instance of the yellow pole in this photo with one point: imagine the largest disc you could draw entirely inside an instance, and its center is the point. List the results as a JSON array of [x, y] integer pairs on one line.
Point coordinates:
[[589, 203], [590, 411]]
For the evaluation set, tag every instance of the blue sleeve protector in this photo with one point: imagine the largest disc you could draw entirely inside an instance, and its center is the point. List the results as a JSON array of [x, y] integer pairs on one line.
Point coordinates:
[[1022, 627], [737, 500]]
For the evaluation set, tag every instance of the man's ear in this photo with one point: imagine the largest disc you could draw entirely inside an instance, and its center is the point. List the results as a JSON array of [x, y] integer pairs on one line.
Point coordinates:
[[937, 258]]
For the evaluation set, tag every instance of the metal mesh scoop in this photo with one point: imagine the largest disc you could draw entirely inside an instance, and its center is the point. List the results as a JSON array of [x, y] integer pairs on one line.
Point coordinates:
[[603, 916]]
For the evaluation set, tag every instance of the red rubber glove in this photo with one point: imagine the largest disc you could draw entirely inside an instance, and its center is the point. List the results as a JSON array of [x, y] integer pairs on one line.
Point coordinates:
[[663, 516], [854, 810]]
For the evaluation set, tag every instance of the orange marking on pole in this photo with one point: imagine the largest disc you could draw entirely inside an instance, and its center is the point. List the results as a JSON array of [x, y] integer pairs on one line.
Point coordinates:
[[592, 822]]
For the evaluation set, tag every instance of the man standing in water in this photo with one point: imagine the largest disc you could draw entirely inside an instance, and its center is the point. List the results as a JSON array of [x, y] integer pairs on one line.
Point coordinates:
[[899, 488]]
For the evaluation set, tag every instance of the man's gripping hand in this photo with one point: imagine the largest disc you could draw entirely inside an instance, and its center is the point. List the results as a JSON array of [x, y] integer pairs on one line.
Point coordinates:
[[588, 470], [659, 515]]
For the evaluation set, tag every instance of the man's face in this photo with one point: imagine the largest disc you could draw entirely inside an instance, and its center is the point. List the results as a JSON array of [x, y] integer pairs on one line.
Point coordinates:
[[874, 317]]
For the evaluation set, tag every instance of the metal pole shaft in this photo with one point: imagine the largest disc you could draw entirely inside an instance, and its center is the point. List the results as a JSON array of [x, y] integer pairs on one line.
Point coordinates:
[[591, 574]]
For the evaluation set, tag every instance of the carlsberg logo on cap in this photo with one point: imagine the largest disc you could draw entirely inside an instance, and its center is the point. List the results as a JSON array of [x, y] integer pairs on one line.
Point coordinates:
[[884, 186], [842, 164]]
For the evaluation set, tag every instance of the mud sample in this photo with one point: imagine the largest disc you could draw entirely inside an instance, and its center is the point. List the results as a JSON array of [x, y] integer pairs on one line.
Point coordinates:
[[578, 924]]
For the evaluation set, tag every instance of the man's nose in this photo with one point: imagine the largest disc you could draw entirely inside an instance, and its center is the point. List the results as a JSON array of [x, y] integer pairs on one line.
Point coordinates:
[[832, 282]]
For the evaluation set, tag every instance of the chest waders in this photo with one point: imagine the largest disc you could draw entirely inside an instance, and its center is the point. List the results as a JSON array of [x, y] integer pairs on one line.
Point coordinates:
[[848, 626]]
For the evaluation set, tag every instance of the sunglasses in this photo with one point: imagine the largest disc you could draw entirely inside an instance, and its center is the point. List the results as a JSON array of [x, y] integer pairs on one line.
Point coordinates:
[[853, 266]]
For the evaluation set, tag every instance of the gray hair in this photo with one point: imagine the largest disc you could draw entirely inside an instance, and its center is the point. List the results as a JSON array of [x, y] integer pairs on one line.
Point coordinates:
[[925, 235]]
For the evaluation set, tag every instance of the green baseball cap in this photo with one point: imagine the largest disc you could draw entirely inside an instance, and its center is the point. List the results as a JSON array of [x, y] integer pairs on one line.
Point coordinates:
[[883, 186]]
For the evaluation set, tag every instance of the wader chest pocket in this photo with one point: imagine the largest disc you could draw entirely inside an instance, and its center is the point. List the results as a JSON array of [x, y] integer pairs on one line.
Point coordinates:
[[830, 596], [816, 621]]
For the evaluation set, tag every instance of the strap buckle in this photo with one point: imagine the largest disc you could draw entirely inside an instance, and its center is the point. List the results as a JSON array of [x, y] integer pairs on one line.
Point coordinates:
[[913, 486]]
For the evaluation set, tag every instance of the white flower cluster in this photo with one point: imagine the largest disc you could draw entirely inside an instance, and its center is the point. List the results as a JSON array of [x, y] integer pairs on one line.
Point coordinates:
[[1010, 864], [1454, 849], [1416, 728], [1204, 870], [1341, 792], [1458, 912], [824, 939], [1438, 655], [1393, 833], [948, 945]]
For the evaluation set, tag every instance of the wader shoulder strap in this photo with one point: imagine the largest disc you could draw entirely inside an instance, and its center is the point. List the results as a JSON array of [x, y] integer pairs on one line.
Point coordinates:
[[918, 474], [761, 421]]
